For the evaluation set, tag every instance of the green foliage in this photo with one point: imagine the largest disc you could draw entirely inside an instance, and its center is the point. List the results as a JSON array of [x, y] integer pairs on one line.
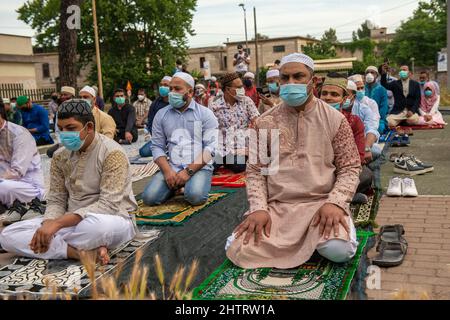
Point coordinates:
[[325, 48], [368, 48], [262, 76], [140, 40], [421, 36], [364, 31]]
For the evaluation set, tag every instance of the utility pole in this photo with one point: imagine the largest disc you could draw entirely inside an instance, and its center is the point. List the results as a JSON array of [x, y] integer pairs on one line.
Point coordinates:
[[97, 51], [256, 48], [245, 22]]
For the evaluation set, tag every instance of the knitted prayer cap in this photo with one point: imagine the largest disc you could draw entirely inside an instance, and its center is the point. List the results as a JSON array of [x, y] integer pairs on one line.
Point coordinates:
[[229, 77], [299, 58], [75, 106], [337, 82], [22, 100]]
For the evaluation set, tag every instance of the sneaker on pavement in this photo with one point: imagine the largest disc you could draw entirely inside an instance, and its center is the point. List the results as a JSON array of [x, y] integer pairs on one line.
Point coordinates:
[[409, 188], [395, 188], [36, 209], [408, 167], [428, 167], [14, 214]]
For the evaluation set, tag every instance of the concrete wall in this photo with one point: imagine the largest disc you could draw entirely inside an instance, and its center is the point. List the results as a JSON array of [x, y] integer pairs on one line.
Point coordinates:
[[214, 55], [345, 53], [11, 44], [18, 73]]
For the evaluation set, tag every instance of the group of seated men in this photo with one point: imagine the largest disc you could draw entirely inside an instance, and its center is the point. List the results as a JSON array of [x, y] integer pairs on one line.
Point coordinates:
[[303, 166]]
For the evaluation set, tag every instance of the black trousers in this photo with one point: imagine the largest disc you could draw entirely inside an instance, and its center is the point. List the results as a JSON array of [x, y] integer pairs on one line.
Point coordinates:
[[120, 135], [237, 164]]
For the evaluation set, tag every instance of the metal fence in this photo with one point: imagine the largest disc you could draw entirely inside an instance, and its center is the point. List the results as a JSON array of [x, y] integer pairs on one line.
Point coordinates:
[[10, 90]]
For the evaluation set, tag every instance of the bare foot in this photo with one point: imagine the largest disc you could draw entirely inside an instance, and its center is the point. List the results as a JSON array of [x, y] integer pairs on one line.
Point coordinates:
[[103, 256]]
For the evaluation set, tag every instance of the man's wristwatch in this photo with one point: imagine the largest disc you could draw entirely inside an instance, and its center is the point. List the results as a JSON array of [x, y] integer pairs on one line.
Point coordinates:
[[368, 149], [190, 172]]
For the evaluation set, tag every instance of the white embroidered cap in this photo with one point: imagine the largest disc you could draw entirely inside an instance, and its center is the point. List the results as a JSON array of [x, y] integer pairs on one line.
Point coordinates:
[[186, 77], [89, 90], [167, 78], [273, 73], [298, 57]]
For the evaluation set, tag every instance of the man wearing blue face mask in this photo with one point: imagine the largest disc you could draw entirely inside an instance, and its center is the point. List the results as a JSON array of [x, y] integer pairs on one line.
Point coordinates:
[[160, 103], [273, 83], [90, 197], [299, 202], [184, 142], [407, 97], [124, 116]]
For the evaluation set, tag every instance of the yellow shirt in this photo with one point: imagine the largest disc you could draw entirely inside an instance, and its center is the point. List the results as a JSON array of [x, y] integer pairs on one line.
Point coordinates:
[[104, 123]]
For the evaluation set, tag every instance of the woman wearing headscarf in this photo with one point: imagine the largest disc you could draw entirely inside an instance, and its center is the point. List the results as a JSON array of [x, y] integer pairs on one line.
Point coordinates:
[[429, 106]]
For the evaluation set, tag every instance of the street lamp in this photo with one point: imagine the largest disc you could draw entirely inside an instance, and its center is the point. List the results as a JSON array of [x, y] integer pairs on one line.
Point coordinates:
[[245, 22]]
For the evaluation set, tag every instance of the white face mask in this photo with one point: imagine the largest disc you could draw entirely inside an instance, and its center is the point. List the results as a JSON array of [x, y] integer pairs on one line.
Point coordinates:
[[141, 97], [240, 94], [370, 78]]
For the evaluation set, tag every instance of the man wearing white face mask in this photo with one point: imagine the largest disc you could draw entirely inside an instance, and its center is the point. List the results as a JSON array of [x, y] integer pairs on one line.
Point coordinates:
[[374, 90], [142, 106], [236, 113], [303, 205], [184, 142]]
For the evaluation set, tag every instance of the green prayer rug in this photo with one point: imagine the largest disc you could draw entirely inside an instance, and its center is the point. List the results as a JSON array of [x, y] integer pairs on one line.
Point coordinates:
[[364, 215], [175, 211], [318, 279]]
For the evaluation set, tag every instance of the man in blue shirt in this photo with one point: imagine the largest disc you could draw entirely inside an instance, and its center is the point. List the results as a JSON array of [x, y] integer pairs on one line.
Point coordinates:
[[187, 134], [161, 102], [35, 119], [375, 91]]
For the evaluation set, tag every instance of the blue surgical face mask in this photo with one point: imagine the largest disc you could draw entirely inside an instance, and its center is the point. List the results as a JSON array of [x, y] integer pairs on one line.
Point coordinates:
[[273, 87], [336, 105], [120, 100], [422, 83], [294, 95], [71, 140], [88, 101], [360, 95], [164, 91], [404, 74], [347, 104], [177, 100], [428, 93]]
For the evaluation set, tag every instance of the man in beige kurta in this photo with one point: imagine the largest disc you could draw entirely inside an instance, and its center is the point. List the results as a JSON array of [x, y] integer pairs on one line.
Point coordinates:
[[90, 197], [302, 206]]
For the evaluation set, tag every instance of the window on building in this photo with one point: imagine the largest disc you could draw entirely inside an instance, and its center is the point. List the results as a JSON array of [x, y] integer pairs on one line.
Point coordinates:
[[45, 70], [202, 62], [279, 49], [225, 63]]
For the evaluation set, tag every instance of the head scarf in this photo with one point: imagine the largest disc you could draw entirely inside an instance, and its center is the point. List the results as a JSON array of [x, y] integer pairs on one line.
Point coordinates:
[[427, 103]]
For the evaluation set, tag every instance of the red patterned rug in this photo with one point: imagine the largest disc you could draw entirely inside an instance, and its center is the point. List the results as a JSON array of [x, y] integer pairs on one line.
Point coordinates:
[[228, 179]]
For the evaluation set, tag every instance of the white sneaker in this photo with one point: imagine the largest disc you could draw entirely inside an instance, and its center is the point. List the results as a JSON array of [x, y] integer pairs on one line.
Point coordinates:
[[409, 188], [395, 187]]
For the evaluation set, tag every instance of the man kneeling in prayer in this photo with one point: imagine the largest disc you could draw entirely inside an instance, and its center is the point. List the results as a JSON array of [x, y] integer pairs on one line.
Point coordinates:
[[303, 204], [89, 200]]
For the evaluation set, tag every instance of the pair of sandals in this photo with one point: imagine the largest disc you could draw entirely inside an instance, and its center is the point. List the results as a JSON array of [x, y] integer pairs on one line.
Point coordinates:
[[392, 247]]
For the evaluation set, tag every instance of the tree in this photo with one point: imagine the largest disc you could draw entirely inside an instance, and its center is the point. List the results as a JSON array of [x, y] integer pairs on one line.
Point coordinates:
[[364, 31], [67, 46], [421, 36], [140, 40], [325, 48]]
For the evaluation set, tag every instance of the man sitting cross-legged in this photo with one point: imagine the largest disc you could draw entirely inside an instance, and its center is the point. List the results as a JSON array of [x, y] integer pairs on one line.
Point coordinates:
[[89, 200], [300, 202], [187, 132]]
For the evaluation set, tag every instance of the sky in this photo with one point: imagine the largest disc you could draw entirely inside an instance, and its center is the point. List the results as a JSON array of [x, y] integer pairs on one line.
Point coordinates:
[[218, 21]]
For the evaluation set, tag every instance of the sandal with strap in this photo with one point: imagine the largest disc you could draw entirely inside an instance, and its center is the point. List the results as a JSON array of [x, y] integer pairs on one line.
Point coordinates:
[[391, 233], [391, 254]]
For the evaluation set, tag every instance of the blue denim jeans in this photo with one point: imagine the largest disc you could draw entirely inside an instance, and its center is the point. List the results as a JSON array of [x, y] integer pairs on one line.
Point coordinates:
[[146, 150], [196, 190]]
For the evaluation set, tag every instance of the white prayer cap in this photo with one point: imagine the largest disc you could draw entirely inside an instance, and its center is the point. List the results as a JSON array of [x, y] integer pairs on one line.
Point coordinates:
[[200, 86], [372, 68], [249, 75], [273, 73], [352, 86], [298, 57], [167, 78], [213, 79], [356, 78], [6, 101], [89, 90], [186, 77]]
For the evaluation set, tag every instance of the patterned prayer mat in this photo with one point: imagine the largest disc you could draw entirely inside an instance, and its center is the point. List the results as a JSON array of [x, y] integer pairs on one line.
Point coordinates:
[[29, 276], [364, 215], [174, 212], [227, 179], [142, 171], [318, 279], [424, 127]]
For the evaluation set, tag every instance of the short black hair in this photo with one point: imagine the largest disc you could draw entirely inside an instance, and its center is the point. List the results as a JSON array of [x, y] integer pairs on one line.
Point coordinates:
[[142, 90], [179, 62], [13, 99], [240, 46], [119, 90], [2, 110], [277, 61], [84, 119]]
